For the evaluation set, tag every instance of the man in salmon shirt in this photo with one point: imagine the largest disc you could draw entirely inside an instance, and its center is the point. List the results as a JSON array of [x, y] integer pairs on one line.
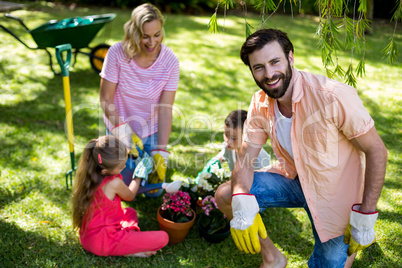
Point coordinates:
[[331, 160]]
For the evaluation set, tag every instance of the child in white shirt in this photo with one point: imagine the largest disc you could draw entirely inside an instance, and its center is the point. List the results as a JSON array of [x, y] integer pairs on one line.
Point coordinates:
[[233, 138]]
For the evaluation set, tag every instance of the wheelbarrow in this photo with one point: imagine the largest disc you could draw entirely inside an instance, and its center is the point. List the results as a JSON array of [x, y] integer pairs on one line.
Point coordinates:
[[77, 31]]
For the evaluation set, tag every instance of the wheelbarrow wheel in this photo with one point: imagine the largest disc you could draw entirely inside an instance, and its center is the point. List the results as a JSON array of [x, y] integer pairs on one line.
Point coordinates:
[[98, 54]]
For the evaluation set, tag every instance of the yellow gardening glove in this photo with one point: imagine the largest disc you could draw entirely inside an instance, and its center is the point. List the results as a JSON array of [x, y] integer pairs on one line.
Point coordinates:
[[160, 158], [136, 141], [128, 137], [360, 230], [247, 226], [153, 178]]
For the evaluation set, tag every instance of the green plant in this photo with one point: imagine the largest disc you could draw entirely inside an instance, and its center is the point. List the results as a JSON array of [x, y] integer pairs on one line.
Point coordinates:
[[209, 181], [212, 219], [190, 186]]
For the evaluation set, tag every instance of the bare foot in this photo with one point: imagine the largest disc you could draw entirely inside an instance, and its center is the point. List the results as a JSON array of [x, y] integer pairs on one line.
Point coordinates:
[[279, 262], [144, 254], [272, 257], [349, 260]]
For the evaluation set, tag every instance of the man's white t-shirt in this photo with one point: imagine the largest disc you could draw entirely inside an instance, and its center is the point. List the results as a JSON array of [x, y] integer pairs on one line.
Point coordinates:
[[282, 129]]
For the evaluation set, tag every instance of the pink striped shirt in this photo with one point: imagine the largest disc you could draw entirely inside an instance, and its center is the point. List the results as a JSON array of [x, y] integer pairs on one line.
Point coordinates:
[[139, 90]]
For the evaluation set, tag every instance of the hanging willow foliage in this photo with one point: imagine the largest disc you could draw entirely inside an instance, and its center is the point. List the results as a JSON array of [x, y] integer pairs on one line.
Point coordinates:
[[336, 31]]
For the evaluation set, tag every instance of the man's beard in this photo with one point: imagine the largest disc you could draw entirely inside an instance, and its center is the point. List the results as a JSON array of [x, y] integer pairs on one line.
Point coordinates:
[[278, 92]]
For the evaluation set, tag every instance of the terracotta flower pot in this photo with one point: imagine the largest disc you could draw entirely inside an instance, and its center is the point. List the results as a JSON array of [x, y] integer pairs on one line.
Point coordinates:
[[199, 203], [177, 231]]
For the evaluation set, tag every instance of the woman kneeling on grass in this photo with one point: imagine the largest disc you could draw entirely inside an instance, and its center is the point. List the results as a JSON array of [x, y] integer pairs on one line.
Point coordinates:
[[105, 228]]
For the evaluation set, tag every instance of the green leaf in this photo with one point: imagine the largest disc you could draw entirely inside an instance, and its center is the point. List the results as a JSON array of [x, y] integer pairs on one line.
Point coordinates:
[[182, 218], [248, 29], [398, 12], [326, 51], [391, 51], [330, 73], [213, 24], [213, 179], [362, 6], [362, 26], [361, 68], [228, 3], [339, 70], [269, 5], [205, 221], [350, 79]]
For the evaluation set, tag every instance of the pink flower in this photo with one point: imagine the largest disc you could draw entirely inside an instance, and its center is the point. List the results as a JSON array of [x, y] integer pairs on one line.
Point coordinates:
[[176, 204], [209, 205]]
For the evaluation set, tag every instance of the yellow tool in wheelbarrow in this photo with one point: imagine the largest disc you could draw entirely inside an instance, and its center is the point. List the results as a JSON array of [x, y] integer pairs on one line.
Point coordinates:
[[64, 66]]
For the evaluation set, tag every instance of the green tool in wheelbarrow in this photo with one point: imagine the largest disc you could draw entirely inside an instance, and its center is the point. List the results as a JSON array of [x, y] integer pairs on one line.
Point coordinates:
[[64, 66]]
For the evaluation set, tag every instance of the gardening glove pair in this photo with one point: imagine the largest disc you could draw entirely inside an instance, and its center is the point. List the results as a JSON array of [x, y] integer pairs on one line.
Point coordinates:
[[160, 158], [360, 230], [143, 168], [129, 138], [246, 226]]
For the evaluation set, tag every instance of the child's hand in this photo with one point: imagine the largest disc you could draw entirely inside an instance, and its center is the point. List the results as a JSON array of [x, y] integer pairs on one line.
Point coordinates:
[[144, 167]]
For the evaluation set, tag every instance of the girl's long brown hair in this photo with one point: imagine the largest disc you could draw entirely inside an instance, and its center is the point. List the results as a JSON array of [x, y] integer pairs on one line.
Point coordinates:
[[105, 153]]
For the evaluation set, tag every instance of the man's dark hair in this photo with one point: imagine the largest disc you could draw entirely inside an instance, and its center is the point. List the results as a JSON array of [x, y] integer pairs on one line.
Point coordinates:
[[236, 119], [260, 38]]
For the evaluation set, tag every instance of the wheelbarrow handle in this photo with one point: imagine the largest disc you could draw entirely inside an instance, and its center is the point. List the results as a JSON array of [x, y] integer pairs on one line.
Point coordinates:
[[66, 64], [7, 15]]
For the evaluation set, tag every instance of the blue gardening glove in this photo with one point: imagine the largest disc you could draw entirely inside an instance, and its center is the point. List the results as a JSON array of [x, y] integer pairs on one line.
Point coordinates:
[[160, 158], [130, 139], [360, 230], [246, 226], [143, 168]]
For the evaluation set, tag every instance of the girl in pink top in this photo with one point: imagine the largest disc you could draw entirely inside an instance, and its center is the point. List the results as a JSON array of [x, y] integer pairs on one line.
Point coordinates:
[[105, 228], [140, 77]]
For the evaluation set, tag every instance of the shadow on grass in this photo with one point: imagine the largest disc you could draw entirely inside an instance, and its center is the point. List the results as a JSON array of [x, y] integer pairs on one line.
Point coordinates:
[[29, 247], [280, 223], [375, 256], [384, 119], [47, 110], [25, 187]]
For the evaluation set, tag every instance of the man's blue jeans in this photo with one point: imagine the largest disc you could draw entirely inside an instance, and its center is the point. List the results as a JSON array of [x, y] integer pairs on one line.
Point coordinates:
[[274, 190]]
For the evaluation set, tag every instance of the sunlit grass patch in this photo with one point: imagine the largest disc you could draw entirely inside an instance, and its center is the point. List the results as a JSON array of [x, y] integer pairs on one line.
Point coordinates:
[[35, 217]]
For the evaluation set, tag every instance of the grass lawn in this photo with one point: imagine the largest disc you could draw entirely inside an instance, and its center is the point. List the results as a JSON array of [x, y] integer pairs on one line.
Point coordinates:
[[35, 222]]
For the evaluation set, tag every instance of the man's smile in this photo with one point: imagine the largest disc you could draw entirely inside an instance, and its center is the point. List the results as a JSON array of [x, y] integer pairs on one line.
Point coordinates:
[[272, 82]]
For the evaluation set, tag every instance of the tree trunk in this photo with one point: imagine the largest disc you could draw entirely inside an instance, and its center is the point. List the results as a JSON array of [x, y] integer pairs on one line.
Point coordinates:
[[369, 15]]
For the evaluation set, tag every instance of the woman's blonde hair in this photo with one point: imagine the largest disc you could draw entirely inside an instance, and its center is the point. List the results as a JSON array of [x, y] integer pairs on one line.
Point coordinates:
[[105, 153], [133, 28]]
